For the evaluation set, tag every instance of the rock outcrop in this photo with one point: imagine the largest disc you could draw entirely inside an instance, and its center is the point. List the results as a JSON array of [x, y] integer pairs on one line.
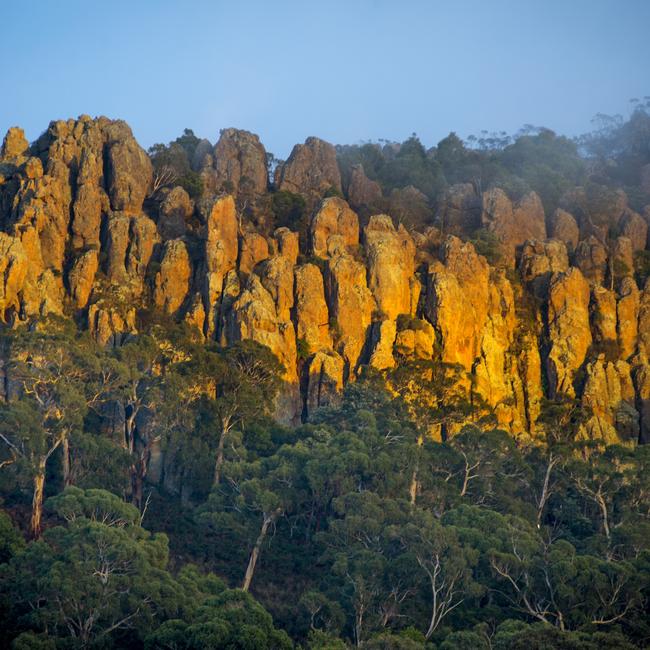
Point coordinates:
[[240, 163], [568, 329], [390, 255], [311, 169], [362, 192], [173, 279], [513, 223], [334, 226], [564, 228], [81, 237]]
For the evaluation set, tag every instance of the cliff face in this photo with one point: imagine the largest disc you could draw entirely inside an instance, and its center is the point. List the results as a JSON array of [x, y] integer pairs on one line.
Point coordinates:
[[81, 234]]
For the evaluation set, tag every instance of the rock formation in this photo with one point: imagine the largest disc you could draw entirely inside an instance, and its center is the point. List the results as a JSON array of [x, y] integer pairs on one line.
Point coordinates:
[[513, 223], [239, 163], [311, 169], [81, 236]]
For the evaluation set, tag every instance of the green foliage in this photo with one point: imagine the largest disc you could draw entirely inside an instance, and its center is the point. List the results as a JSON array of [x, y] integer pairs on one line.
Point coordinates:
[[11, 541], [289, 210], [172, 164], [487, 244], [359, 527]]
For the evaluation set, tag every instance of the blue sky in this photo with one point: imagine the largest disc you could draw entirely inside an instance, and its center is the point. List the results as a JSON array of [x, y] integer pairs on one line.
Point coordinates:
[[343, 70]]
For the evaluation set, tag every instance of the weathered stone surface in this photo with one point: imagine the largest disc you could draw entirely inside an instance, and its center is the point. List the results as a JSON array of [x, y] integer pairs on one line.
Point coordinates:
[[311, 169], [644, 317], [288, 243], [513, 223], [564, 227], [172, 281], [254, 316], [82, 277], [362, 192], [325, 380], [603, 315], [641, 377], [568, 329], [459, 210], [117, 244], [609, 393], [142, 241], [91, 201], [410, 206], [221, 249], [462, 279], [195, 315], [627, 312], [415, 338], [312, 314], [539, 260], [14, 144], [351, 305], [108, 326], [634, 227], [333, 225], [13, 272], [277, 279], [240, 163], [253, 249], [129, 171], [383, 337], [390, 257], [623, 254], [591, 258], [175, 210]]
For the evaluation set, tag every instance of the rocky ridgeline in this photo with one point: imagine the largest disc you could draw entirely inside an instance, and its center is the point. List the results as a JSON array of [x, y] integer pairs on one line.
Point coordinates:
[[560, 314]]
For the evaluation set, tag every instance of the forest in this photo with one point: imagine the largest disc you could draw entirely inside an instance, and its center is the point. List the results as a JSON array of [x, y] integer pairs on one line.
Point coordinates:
[[151, 497]]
